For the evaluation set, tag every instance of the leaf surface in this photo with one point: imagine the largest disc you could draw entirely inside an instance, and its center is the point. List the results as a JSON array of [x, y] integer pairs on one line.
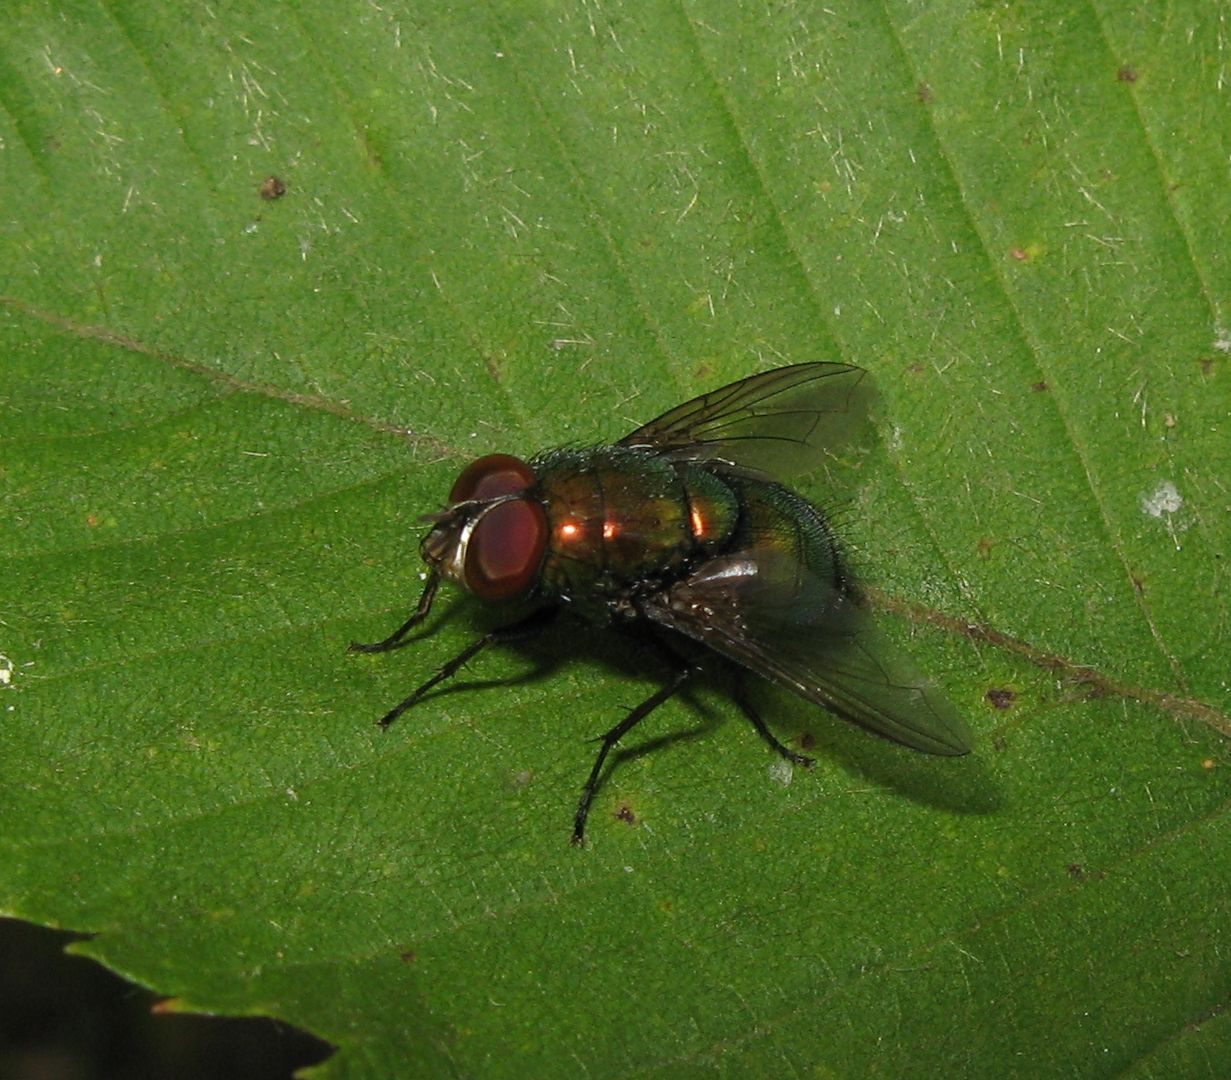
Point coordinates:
[[501, 231]]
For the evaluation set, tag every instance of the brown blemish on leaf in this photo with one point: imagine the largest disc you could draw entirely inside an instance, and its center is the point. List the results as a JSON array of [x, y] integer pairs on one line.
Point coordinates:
[[1040, 387], [1001, 698], [625, 813], [1127, 73], [924, 93], [272, 188], [985, 545]]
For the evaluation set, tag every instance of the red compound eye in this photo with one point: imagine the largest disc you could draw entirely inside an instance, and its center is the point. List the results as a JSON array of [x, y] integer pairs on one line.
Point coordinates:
[[490, 477], [506, 549]]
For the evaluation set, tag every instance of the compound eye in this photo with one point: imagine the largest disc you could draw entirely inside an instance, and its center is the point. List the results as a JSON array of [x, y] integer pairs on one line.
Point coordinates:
[[490, 477], [506, 550]]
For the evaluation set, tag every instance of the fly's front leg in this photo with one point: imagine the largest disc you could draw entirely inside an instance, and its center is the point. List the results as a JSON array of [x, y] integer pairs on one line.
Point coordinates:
[[531, 624], [421, 610]]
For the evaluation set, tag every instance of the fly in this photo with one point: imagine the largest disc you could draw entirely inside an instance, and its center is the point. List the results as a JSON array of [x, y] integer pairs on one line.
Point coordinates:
[[680, 527]]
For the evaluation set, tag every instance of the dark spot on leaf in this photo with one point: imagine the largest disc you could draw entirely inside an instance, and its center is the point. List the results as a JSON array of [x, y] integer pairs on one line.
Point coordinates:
[[999, 743], [625, 813], [985, 546], [923, 92], [1040, 387], [1138, 582], [807, 741], [1127, 74], [409, 956], [272, 188], [1076, 870], [1207, 365], [1001, 698], [915, 368]]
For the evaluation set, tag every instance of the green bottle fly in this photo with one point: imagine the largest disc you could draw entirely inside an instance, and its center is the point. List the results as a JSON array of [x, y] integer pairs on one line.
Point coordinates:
[[680, 527]]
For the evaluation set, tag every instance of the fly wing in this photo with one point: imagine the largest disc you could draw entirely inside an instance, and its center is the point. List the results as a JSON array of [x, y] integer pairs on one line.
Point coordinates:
[[772, 615], [760, 422]]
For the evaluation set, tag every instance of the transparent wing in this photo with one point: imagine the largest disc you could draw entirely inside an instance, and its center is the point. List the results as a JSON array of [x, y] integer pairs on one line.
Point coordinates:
[[769, 613], [761, 422]]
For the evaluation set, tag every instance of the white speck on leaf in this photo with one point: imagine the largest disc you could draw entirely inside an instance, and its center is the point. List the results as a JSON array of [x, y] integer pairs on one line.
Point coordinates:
[[782, 771], [1164, 503], [1165, 499]]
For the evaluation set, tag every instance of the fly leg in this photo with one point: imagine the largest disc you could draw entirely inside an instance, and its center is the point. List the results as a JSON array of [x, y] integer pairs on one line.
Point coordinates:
[[421, 610], [745, 705], [681, 676], [531, 624]]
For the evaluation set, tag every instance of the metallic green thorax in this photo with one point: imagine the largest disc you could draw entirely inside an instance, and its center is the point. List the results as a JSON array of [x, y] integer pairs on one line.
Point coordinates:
[[626, 519]]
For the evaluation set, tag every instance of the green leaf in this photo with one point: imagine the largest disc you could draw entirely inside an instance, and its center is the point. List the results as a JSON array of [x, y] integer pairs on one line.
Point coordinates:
[[504, 230]]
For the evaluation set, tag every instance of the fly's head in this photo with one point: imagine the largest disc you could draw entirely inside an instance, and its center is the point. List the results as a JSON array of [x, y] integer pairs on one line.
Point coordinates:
[[492, 537]]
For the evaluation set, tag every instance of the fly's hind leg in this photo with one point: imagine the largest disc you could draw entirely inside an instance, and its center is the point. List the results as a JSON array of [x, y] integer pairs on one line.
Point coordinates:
[[523, 628], [681, 676], [741, 699]]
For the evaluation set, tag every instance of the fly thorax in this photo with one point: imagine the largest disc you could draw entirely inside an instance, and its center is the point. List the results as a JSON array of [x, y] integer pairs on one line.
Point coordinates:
[[619, 517], [713, 508]]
